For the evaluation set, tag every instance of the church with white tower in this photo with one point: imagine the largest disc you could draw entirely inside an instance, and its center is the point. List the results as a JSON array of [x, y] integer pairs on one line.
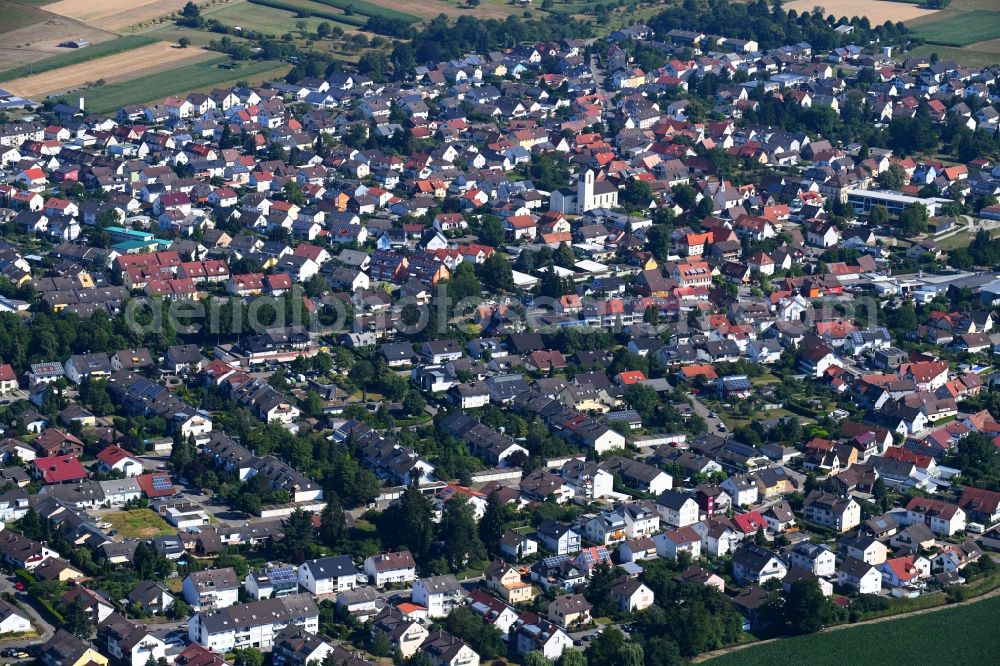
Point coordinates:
[[590, 193]]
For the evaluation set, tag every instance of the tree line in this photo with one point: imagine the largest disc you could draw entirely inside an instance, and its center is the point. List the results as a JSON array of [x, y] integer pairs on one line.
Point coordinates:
[[771, 26]]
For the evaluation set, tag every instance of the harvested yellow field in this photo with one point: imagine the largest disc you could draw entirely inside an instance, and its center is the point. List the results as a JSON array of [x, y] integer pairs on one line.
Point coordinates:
[[113, 68], [877, 11], [428, 9], [115, 14]]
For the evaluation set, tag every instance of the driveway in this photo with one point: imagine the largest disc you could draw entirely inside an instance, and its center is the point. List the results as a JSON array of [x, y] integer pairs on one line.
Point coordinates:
[[45, 629]]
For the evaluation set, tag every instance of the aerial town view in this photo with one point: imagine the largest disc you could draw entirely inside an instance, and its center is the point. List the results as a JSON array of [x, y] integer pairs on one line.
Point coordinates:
[[499, 332]]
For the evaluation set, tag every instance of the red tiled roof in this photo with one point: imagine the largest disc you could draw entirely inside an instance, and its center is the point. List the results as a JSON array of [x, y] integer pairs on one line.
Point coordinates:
[[7, 373], [112, 454], [57, 469], [157, 484], [750, 521]]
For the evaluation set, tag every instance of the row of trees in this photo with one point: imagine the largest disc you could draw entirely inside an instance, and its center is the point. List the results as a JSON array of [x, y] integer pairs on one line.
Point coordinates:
[[441, 40], [769, 26]]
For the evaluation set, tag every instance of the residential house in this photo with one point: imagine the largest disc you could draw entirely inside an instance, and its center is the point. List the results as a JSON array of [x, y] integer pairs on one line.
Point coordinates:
[[211, 589], [328, 575], [569, 610], [438, 594], [130, 643], [940, 516], [390, 568], [860, 577], [632, 595], [672, 543], [405, 633], [254, 624], [677, 509], [756, 564], [443, 649], [558, 538], [833, 511]]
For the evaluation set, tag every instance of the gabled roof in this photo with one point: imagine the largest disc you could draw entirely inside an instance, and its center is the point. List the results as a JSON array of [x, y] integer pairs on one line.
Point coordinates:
[[58, 469]]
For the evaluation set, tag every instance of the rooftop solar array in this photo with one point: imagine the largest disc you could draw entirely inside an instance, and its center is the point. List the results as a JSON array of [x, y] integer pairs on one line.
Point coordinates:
[[161, 482], [282, 576], [144, 390], [554, 561], [591, 556], [738, 383]]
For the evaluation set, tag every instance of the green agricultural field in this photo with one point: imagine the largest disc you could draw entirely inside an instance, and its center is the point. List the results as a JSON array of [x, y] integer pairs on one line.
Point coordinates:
[[586, 6], [960, 28], [313, 9], [14, 15], [369, 9], [261, 18], [75, 57], [199, 76], [969, 55], [970, 637]]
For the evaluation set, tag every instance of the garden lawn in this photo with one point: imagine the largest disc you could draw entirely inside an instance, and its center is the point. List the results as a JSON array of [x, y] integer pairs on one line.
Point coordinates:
[[139, 524], [966, 633]]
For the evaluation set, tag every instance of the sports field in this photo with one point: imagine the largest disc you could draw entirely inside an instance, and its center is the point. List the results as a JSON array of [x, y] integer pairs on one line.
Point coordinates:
[[968, 634]]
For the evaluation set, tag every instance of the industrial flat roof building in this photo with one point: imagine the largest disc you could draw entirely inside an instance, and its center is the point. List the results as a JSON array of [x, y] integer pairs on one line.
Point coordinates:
[[895, 202]]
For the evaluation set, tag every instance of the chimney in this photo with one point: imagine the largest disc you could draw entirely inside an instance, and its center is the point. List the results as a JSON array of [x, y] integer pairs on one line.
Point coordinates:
[[81, 104]]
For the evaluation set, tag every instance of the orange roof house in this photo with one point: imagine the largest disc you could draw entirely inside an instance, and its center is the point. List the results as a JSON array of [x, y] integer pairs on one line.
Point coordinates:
[[689, 372], [630, 377]]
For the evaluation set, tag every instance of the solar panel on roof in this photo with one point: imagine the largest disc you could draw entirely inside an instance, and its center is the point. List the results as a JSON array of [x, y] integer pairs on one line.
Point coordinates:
[[554, 560], [161, 483], [282, 576]]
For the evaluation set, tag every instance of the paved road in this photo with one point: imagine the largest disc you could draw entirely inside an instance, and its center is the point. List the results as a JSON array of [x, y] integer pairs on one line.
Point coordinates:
[[46, 630], [701, 410], [595, 71]]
